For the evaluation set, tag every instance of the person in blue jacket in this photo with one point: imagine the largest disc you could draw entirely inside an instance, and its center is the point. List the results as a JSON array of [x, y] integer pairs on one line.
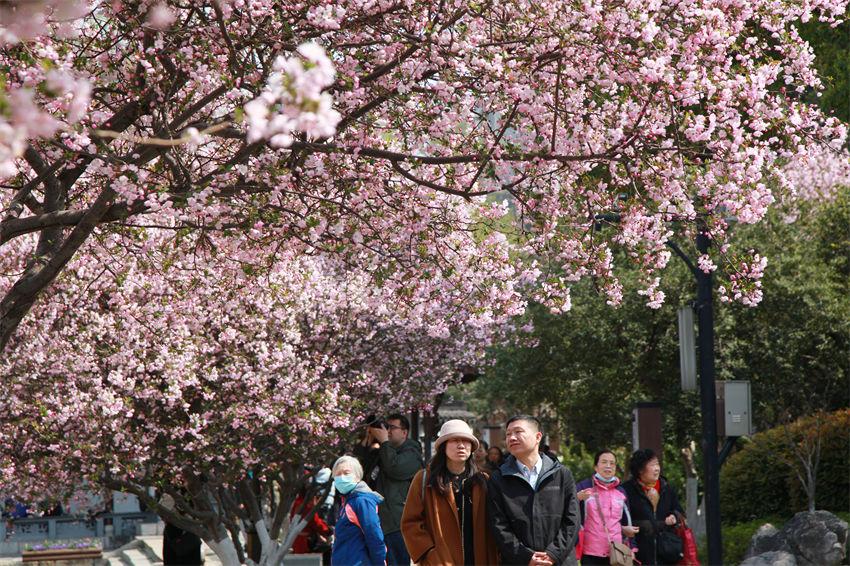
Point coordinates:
[[358, 539]]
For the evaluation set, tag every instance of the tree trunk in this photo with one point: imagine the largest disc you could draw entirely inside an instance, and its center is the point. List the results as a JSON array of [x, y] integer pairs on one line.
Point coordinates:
[[810, 487], [274, 552], [226, 551]]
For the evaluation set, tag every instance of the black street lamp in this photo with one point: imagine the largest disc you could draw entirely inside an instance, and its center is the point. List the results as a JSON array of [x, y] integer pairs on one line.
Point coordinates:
[[705, 343], [704, 307]]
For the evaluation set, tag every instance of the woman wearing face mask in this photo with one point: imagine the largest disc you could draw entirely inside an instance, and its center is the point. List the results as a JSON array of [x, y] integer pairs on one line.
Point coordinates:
[[654, 508], [358, 540], [444, 521], [601, 498]]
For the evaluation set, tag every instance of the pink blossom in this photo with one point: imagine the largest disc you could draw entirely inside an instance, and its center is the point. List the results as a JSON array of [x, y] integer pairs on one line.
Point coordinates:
[[293, 100], [12, 145], [705, 264], [21, 21], [160, 16]]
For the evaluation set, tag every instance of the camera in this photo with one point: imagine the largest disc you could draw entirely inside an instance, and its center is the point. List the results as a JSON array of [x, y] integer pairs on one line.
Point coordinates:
[[373, 421]]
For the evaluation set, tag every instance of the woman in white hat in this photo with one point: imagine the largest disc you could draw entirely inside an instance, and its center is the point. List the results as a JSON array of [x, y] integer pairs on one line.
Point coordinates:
[[445, 516]]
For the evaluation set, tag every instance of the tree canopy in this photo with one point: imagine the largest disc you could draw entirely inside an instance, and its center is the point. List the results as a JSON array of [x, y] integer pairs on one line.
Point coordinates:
[[219, 112], [590, 366]]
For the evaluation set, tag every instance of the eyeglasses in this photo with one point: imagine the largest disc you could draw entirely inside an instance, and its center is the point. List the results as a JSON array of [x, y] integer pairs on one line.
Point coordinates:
[[394, 427]]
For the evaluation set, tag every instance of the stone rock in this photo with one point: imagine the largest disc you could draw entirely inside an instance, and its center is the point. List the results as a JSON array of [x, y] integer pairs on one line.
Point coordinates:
[[766, 539], [772, 558], [817, 537]]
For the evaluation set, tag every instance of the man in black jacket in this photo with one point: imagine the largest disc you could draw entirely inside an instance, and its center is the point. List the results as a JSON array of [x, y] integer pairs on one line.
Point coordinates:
[[532, 502]]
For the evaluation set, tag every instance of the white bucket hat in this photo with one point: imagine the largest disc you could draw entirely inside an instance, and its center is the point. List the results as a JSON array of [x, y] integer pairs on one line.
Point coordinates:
[[456, 428]]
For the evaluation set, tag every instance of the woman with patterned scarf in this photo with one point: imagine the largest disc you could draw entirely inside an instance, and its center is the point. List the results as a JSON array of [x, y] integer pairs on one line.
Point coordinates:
[[654, 507]]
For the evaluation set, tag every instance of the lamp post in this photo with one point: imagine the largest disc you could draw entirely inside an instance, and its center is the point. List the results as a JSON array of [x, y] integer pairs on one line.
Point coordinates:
[[705, 342]]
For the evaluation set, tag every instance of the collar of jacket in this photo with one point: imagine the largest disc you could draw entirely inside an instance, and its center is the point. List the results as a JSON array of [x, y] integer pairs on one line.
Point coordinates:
[[605, 486], [511, 468], [362, 490]]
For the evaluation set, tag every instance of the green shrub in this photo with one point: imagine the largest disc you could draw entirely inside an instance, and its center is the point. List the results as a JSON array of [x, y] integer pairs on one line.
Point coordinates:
[[759, 480]]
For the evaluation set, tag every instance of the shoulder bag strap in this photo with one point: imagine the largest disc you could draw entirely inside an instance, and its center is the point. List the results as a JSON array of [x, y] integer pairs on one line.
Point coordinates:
[[601, 515]]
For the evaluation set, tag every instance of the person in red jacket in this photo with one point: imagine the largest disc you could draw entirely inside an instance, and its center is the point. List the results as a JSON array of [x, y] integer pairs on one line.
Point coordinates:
[[316, 530]]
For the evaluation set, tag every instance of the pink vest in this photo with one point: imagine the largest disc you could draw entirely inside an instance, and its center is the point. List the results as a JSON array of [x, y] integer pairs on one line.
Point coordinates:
[[611, 500]]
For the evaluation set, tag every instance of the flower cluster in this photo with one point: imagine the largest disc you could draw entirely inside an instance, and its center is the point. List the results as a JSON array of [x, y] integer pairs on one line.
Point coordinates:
[[293, 100], [176, 355], [25, 20], [22, 119], [80, 544], [745, 285]]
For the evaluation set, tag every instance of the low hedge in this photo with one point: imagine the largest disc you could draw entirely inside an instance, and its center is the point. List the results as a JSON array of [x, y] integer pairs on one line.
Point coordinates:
[[758, 481]]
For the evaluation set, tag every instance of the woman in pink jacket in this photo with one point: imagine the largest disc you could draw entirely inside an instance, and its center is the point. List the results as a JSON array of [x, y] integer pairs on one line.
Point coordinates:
[[601, 498]]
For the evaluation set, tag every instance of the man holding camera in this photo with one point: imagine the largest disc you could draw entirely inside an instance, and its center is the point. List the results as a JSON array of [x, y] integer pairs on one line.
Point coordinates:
[[396, 461]]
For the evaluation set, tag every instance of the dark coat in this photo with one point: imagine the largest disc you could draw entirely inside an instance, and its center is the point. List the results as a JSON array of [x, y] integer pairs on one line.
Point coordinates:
[[650, 523], [368, 458], [397, 466], [180, 547], [526, 520]]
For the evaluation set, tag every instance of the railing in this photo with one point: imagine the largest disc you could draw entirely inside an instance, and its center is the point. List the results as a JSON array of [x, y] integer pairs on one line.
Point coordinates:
[[72, 527]]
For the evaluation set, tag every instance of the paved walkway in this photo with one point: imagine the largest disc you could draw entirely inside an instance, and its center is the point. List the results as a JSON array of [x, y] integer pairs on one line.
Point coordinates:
[[147, 550], [141, 551]]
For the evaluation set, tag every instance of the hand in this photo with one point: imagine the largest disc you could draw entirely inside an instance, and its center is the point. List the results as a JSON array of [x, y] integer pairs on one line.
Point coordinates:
[[670, 520], [584, 494], [367, 439], [541, 559], [629, 532], [380, 435]]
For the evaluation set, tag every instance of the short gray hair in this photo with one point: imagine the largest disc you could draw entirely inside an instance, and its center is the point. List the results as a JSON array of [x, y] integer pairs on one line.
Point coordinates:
[[353, 462]]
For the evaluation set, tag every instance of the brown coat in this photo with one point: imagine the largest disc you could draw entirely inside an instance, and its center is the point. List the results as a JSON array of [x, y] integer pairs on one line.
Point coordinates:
[[431, 528]]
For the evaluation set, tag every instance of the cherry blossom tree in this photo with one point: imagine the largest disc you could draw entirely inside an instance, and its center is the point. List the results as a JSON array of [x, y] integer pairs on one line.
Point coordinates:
[[355, 126], [214, 378], [249, 221]]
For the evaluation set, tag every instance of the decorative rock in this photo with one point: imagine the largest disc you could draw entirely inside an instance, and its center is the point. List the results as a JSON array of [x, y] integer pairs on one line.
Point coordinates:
[[766, 539], [772, 558], [817, 538], [812, 539]]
